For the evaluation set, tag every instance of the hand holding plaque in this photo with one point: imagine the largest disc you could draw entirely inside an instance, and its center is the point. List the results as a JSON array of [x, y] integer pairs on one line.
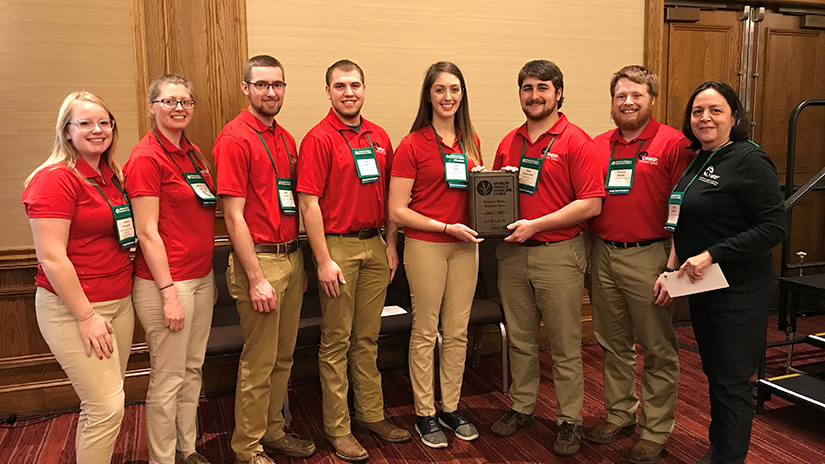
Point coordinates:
[[493, 202]]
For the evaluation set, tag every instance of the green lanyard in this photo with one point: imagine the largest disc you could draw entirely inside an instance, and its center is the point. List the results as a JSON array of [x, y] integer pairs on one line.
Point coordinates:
[[286, 197], [194, 179], [620, 172], [455, 164], [674, 203], [365, 162], [124, 223], [529, 169]]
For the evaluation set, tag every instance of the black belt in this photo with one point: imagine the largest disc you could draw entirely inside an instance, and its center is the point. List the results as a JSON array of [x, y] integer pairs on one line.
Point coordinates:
[[643, 243], [534, 243], [362, 234], [278, 248]]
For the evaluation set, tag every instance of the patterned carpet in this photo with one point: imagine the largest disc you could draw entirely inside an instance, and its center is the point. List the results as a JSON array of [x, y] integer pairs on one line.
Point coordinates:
[[784, 434]]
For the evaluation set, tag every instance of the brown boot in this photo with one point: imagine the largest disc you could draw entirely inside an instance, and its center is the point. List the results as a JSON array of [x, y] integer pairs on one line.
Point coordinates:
[[646, 452], [347, 448], [385, 430], [608, 432]]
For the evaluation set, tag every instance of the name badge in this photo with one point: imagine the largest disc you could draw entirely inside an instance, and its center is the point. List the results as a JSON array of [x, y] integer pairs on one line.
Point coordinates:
[[125, 225], [674, 204], [455, 170], [198, 184], [529, 170], [620, 176], [286, 197], [366, 164]]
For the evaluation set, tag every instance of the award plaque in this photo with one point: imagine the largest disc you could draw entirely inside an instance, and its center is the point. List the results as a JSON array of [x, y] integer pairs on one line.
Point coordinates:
[[493, 202]]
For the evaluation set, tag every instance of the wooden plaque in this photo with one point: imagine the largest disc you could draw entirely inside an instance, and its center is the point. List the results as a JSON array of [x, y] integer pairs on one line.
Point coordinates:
[[493, 202]]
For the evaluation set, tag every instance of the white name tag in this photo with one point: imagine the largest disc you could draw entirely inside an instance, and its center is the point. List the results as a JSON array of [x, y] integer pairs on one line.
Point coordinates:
[[368, 167], [287, 198], [620, 178], [125, 227], [203, 191], [456, 171], [528, 176], [673, 213]]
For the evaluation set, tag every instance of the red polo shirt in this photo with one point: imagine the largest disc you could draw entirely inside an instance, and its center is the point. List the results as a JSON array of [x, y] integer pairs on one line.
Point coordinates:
[[186, 227], [570, 171], [418, 157], [102, 265], [245, 170], [326, 169], [641, 214]]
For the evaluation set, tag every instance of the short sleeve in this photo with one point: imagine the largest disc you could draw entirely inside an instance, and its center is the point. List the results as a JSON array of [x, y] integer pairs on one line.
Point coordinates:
[[585, 172], [52, 193], [232, 161], [404, 164], [313, 166], [143, 175]]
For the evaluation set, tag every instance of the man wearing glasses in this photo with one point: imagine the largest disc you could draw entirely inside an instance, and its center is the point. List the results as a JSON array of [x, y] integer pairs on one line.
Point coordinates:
[[255, 158], [343, 178]]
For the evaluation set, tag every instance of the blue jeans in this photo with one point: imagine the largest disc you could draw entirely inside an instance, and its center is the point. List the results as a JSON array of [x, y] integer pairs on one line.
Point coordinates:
[[730, 325]]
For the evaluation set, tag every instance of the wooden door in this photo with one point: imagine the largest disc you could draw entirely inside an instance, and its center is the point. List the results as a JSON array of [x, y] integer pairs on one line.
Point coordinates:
[[695, 52], [790, 70]]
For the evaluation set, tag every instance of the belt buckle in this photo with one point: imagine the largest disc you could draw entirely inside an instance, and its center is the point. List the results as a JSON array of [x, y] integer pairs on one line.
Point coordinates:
[[364, 234]]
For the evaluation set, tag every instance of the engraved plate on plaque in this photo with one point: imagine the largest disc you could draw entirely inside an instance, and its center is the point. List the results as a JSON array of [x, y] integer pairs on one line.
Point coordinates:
[[493, 202]]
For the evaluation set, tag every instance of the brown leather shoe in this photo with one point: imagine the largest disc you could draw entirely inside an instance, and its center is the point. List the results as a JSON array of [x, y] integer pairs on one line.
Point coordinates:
[[259, 458], [347, 448], [569, 439], [646, 452], [608, 432], [385, 430], [289, 445]]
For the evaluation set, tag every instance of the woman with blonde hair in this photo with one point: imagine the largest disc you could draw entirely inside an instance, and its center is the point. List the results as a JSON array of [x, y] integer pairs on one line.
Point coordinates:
[[82, 228], [173, 293], [428, 196]]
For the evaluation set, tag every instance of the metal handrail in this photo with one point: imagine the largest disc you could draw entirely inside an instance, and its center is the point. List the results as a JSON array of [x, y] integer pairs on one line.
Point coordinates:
[[793, 196]]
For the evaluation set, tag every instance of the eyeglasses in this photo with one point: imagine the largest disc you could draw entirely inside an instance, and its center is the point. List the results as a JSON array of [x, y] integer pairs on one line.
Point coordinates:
[[263, 86], [88, 126], [171, 103]]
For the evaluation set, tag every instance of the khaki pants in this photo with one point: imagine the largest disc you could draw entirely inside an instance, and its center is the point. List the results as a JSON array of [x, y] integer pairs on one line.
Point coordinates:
[[442, 278], [349, 333], [269, 341], [98, 383], [622, 300], [544, 282], [176, 359]]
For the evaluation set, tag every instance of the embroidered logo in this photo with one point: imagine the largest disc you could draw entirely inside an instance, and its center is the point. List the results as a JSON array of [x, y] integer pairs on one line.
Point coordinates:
[[645, 158], [378, 148], [709, 177]]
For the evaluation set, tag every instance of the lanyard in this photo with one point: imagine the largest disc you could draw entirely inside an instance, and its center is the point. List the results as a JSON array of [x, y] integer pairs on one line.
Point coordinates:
[[286, 197], [674, 203], [620, 172], [194, 179], [455, 164], [124, 223], [529, 169], [365, 163]]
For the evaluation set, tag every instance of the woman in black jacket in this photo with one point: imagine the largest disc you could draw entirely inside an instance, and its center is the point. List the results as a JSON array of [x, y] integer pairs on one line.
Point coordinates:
[[727, 209]]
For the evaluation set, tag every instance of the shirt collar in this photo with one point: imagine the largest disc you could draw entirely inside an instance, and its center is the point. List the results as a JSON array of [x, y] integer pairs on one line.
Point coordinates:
[[170, 147], [87, 171], [429, 134], [647, 133], [339, 125], [255, 123], [557, 128]]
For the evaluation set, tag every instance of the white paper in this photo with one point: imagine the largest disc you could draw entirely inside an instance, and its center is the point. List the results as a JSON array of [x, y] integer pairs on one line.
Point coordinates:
[[456, 171], [287, 198], [368, 167], [528, 176], [392, 311], [620, 178], [713, 279]]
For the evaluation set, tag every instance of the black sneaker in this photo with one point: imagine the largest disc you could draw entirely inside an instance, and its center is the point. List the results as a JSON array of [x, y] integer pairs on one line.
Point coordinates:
[[430, 432], [459, 424]]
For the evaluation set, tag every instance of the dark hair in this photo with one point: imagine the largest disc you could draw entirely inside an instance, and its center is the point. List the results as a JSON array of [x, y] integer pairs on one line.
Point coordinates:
[[462, 122], [741, 127], [346, 66], [639, 75], [543, 70], [260, 61]]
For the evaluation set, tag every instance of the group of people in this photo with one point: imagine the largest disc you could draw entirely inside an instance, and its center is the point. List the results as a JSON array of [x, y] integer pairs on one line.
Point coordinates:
[[632, 186]]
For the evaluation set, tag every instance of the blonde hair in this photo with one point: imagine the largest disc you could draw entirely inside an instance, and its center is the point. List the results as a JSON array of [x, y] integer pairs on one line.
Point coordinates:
[[64, 151], [154, 93]]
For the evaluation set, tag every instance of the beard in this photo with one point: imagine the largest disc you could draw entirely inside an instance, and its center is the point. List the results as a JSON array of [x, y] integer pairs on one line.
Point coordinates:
[[642, 117], [537, 117], [267, 110]]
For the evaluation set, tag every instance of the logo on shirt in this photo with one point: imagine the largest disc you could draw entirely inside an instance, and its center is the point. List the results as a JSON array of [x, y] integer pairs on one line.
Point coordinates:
[[709, 177], [645, 158], [551, 155], [378, 148]]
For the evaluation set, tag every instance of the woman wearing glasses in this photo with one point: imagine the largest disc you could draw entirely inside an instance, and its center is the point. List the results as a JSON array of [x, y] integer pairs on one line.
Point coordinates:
[[428, 196], [82, 229], [173, 293]]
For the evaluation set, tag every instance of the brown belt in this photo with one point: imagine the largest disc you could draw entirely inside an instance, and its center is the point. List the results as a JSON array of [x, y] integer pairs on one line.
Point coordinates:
[[362, 234], [278, 248]]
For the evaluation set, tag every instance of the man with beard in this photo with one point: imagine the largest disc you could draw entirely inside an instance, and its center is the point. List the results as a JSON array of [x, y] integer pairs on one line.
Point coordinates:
[[255, 158], [641, 161], [343, 176], [542, 263]]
